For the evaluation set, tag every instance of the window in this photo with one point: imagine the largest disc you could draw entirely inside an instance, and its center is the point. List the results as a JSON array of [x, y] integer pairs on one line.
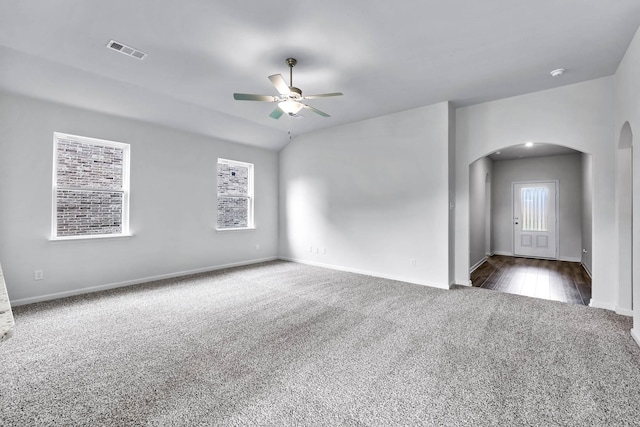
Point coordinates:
[[235, 195], [90, 187], [534, 208]]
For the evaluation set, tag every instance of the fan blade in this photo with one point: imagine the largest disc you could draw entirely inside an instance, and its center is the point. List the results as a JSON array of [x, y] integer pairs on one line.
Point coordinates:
[[280, 84], [322, 95], [252, 97], [315, 110], [275, 114]]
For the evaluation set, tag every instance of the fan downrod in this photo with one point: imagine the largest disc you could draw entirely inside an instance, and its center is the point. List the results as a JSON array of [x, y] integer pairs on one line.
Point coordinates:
[[291, 62]]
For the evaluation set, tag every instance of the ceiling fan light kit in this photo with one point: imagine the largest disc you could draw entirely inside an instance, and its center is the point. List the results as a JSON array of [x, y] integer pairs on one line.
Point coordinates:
[[289, 100], [290, 107]]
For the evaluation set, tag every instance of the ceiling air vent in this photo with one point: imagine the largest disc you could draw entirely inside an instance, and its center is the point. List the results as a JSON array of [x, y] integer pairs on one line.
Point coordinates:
[[127, 50]]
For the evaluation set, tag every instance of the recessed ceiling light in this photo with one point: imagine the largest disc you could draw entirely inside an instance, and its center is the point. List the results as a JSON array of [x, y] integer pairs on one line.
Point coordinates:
[[497, 152], [558, 72], [529, 144]]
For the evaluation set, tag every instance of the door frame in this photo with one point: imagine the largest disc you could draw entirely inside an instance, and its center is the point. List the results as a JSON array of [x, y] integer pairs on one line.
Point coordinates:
[[557, 197]]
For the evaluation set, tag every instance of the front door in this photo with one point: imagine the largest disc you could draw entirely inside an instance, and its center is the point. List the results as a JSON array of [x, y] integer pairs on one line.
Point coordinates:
[[534, 219]]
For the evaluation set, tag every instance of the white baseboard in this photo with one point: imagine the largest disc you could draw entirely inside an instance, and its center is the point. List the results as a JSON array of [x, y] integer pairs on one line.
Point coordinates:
[[600, 304], [570, 259], [624, 311], [475, 266], [563, 258], [586, 269], [365, 272], [467, 283], [635, 333], [57, 295], [503, 253]]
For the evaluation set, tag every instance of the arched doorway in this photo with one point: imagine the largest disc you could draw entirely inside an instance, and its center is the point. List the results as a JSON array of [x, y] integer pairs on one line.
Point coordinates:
[[491, 202]]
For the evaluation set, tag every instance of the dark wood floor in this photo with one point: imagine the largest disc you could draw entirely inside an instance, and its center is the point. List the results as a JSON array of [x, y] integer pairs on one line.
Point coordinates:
[[554, 280]]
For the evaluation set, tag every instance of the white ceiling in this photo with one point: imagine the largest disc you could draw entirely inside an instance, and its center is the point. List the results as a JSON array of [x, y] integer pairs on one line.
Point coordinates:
[[536, 150], [385, 56]]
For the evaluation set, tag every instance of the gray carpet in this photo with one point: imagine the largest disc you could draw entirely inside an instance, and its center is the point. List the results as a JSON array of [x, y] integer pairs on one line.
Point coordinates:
[[284, 344]]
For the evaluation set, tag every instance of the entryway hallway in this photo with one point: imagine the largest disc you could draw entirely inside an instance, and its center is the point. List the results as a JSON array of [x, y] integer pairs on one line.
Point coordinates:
[[540, 278]]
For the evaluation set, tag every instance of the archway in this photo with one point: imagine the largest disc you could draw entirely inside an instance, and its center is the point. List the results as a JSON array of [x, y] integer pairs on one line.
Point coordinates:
[[491, 216], [624, 197]]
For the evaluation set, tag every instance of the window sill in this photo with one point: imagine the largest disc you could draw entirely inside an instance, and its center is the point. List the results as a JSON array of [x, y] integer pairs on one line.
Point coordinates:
[[80, 239], [224, 230]]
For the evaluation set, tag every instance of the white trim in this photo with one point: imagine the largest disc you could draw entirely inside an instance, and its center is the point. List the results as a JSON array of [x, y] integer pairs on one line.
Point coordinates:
[[90, 140], [223, 230], [569, 259], [624, 312], [636, 335], [250, 192], [77, 239], [467, 283], [556, 183], [586, 269], [126, 183], [503, 253], [564, 258], [365, 272], [92, 289], [475, 266], [603, 305]]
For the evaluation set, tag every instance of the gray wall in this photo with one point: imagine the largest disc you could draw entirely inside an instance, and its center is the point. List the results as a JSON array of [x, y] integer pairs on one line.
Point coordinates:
[[624, 189], [587, 210], [173, 204], [627, 112], [480, 177], [373, 194], [452, 193], [579, 116], [568, 171]]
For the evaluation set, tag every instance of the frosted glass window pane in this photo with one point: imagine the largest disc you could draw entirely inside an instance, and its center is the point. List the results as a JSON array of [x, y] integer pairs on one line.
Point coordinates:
[[534, 203]]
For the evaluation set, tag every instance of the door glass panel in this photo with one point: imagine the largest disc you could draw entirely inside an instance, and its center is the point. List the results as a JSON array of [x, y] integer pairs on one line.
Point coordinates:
[[534, 202]]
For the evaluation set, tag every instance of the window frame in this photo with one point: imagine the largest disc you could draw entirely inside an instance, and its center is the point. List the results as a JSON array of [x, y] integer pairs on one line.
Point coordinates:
[[126, 161], [250, 195]]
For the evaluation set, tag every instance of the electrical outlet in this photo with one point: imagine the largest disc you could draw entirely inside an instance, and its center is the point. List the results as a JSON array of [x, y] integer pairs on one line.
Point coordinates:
[[310, 248], [412, 262], [38, 275], [257, 246]]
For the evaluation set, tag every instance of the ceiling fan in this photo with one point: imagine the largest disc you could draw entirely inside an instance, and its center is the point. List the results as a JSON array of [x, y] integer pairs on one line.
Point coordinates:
[[289, 100]]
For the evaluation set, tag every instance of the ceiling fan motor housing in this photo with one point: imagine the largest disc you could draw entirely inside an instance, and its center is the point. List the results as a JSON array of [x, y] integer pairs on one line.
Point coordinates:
[[296, 93]]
